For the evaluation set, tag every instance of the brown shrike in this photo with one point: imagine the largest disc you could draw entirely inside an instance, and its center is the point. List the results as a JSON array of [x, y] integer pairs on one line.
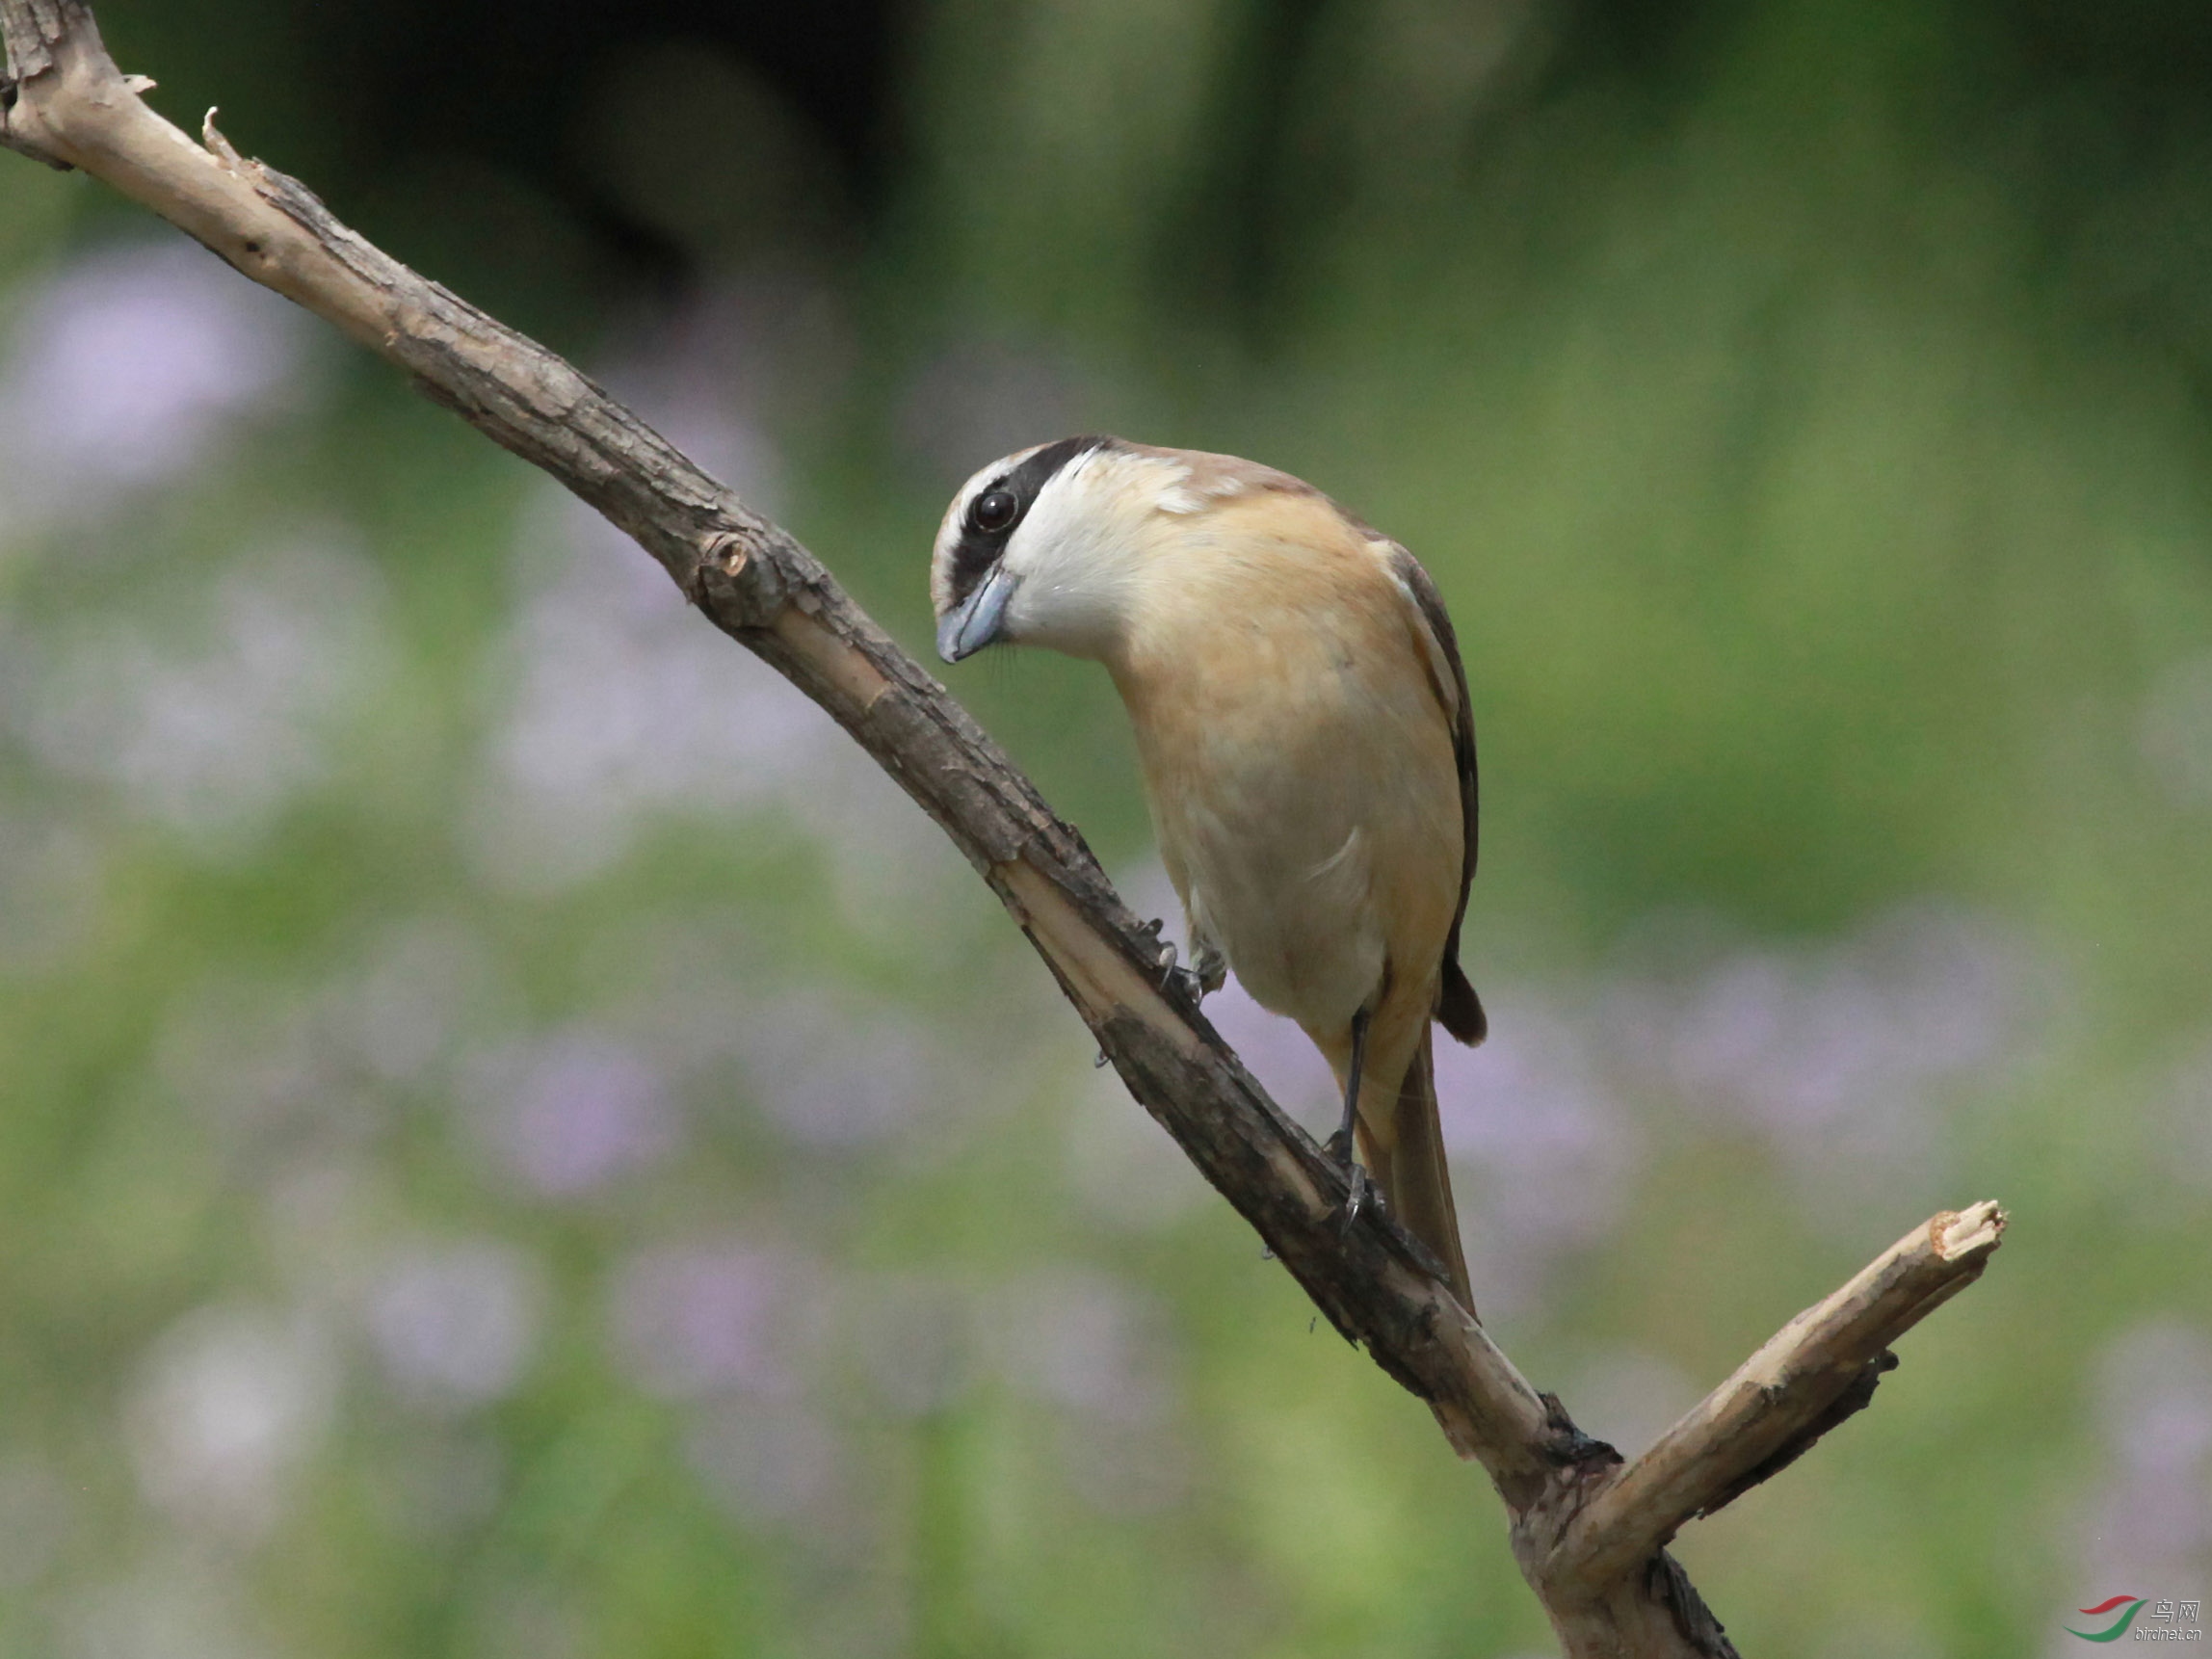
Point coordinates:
[[1302, 719]]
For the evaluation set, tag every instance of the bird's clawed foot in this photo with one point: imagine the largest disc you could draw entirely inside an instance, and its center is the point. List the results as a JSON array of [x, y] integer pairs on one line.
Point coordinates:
[[1209, 965], [1175, 977], [1205, 973], [1187, 981], [1361, 1186]]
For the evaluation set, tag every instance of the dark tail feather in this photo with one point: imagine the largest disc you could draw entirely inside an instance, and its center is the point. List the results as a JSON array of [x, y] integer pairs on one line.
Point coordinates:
[[1457, 1006], [1415, 1181]]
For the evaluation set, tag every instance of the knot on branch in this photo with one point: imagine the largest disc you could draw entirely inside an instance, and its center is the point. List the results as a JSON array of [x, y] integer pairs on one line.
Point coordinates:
[[723, 554], [1566, 1446], [723, 579]]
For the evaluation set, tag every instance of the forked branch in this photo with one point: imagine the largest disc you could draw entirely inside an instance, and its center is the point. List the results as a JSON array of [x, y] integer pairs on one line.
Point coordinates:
[[1588, 1531]]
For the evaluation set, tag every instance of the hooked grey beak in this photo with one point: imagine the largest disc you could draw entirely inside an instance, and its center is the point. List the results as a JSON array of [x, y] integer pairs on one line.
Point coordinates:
[[975, 621]]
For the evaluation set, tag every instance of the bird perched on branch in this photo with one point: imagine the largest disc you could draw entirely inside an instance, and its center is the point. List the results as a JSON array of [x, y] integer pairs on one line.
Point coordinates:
[[1302, 719]]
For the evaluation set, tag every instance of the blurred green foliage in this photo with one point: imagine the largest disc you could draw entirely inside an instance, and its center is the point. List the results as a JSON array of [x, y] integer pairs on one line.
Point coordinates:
[[514, 1141]]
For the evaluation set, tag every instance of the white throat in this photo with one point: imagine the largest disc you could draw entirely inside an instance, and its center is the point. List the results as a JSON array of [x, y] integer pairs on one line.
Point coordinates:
[[1077, 555]]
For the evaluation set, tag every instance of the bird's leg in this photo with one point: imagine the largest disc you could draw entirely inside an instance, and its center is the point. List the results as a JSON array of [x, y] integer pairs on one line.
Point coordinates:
[[1343, 1145]]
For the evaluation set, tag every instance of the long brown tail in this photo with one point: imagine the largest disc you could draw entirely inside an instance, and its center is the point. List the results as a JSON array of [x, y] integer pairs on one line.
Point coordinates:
[[1411, 1172]]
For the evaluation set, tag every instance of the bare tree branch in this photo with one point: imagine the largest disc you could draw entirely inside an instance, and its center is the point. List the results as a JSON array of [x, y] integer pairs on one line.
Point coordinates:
[[1783, 1398], [1588, 1531]]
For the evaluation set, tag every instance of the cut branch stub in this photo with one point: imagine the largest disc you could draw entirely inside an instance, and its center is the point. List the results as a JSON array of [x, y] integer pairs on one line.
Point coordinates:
[[1794, 1390]]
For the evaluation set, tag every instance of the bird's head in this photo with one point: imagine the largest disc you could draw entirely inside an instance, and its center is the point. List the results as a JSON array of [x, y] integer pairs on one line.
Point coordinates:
[[1043, 547]]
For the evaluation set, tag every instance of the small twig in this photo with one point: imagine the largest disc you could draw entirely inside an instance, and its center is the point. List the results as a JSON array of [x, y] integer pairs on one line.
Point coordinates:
[[216, 144]]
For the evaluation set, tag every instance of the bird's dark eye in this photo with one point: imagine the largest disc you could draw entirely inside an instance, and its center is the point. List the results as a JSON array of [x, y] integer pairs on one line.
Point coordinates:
[[994, 509]]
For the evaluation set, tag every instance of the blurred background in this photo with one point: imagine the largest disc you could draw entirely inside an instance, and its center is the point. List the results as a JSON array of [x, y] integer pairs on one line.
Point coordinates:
[[516, 1139]]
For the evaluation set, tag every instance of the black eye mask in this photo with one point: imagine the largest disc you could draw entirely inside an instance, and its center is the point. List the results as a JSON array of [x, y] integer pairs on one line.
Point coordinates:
[[998, 509]]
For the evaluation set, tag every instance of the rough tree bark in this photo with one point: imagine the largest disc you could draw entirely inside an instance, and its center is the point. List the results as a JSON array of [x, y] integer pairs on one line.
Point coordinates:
[[1587, 1530]]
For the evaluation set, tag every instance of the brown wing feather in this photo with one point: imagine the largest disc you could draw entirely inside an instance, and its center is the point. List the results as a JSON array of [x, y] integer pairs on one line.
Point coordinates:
[[1457, 1006]]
